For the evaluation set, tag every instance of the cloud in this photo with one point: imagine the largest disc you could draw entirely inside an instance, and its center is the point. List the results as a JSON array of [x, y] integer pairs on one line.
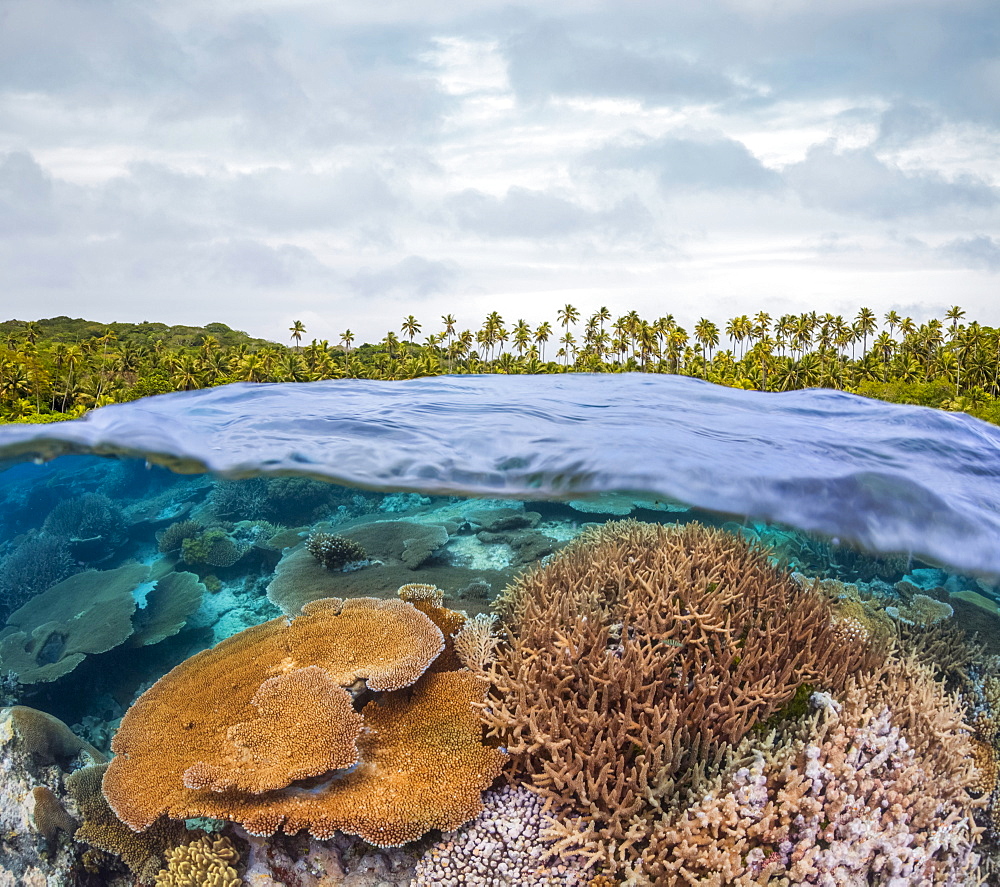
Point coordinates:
[[973, 252], [540, 215], [25, 197], [414, 276], [545, 59], [857, 182], [690, 163]]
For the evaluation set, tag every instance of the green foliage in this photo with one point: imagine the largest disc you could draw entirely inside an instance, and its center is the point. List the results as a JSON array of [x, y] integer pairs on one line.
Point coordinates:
[[924, 394], [61, 367]]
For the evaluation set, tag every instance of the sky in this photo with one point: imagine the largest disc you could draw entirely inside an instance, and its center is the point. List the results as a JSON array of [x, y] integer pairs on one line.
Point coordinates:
[[350, 163]]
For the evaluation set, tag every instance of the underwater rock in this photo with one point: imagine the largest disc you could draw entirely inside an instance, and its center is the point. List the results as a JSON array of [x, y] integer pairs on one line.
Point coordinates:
[[56, 630], [496, 520], [341, 861]]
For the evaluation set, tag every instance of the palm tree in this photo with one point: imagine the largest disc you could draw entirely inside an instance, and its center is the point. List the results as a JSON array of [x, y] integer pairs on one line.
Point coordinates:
[[297, 329], [865, 323], [567, 315], [410, 326], [707, 335], [954, 314], [542, 333]]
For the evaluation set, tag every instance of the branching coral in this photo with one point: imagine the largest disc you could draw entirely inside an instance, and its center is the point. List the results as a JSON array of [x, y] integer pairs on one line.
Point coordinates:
[[334, 552], [872, 790], [188, 750], [637, 654]]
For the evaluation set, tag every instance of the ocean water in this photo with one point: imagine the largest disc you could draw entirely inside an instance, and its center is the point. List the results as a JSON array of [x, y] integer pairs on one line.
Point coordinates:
[[148, 532]]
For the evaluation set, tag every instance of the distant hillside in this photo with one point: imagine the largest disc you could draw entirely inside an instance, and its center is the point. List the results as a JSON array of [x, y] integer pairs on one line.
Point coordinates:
[[70, 330]]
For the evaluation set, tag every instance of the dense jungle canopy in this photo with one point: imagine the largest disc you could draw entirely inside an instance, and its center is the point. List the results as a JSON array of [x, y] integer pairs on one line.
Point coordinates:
[[61, 367]]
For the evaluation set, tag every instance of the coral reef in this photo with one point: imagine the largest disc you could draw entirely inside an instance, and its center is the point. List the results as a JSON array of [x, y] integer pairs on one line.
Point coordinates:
[[173, 537], [167, 608], [334, 552], [143, 852], [476, 644], [423, 764], [341, 861], [503, 846], [213, 546], [37, 563], [921, 610], [637, 655], [206, 862], [37, 751], [94, 525], [56, 630], [874, 789]]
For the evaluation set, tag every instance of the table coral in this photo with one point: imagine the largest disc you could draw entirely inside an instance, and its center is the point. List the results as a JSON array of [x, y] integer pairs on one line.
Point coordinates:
[[229, 733], [56, 630]]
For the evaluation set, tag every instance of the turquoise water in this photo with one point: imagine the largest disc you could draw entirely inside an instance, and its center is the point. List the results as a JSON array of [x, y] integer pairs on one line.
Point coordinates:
[[192, 508]]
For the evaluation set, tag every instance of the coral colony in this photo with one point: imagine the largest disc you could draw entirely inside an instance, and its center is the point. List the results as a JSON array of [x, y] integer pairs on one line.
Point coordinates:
[[283, 682]]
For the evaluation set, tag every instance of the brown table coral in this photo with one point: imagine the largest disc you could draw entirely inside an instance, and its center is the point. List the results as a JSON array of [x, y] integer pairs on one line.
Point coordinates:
[[260, 730]]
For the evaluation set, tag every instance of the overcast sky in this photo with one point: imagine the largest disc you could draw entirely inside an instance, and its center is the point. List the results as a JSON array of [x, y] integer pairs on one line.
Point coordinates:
[[347, 163]]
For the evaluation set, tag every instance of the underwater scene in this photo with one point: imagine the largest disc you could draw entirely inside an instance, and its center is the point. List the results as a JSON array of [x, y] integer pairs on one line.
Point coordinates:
[[580, 631]]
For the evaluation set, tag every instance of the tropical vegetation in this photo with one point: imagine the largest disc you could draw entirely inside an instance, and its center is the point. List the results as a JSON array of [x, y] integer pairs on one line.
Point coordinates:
[[61, 367]]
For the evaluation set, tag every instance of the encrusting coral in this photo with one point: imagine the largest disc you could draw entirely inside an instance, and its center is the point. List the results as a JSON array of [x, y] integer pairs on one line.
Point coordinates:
[[232, 732], [636, 657]]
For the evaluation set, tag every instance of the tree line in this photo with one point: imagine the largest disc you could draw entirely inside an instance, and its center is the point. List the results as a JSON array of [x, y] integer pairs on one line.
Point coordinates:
[[60, 368]]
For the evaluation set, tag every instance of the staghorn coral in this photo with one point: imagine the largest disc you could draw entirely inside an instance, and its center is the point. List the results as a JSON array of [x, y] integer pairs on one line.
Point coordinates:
[[334, 552], [144, 852], [206, 862], [476, 644], [422, 761], [55, 631], [637, 655], [240, 499], [873, 789]]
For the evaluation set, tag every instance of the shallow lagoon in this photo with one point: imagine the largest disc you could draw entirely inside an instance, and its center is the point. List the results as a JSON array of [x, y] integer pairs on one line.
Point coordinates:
[[887, 514]]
